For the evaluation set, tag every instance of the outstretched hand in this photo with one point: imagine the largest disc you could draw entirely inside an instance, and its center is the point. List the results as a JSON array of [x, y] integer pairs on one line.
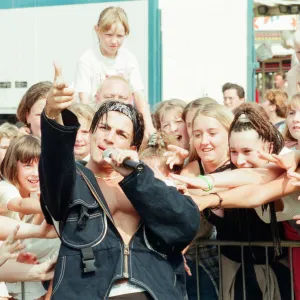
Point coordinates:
[[287, 161], [45, 270], [191, 182], [60, 96], [175, 156], [10, 247]]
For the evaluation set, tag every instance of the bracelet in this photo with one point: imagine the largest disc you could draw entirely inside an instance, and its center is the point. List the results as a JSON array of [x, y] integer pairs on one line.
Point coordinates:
[[212, 180], [210, 186], [220, 201]]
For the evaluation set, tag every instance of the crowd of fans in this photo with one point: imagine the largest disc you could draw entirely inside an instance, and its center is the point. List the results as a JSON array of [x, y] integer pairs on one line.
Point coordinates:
[[237, 160]]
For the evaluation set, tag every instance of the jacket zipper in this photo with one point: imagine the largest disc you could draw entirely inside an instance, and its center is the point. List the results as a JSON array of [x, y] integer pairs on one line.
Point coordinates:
[[127, 254], [126, 258]]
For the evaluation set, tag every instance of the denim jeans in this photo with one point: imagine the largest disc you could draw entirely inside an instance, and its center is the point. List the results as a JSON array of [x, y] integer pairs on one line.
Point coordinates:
[[206, 287]]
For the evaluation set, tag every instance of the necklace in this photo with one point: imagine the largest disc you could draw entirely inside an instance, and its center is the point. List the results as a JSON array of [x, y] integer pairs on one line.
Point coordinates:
[[221, 168], [106, 178]]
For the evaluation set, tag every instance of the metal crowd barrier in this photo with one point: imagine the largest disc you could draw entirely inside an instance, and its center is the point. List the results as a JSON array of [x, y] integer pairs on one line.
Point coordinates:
[[266, 245]]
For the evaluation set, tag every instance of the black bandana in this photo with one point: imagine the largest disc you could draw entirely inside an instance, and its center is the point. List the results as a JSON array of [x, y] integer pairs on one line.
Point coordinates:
[[122, 108]]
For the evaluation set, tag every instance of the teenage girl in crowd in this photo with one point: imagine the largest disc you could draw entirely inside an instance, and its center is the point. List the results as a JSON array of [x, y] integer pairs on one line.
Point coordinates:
[[168, 118], [31, 106], [249, 133], [209, 145], [275, 107], [109, 58], [7, 132], [19, 200], [176, 155]]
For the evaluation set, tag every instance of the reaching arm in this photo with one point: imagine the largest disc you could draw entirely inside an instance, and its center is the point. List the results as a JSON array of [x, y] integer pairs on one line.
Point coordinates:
[[57, 164], [234, 178], [241, 177], [26, 231], [250, 196], [26, 206], [57, 169], [13, 271]]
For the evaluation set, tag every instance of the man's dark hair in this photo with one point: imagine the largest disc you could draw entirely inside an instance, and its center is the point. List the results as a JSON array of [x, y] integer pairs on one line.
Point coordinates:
[[232, 86], [128, 110]]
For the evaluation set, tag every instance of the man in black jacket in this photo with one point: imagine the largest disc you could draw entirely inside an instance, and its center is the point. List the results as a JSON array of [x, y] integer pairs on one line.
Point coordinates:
[[122, 231]]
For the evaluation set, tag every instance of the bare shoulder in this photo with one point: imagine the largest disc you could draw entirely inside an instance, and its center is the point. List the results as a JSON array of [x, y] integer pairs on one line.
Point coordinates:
[[191, 169]]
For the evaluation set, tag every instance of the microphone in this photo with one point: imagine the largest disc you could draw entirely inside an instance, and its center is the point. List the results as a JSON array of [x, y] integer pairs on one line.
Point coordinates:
[[127, 163]]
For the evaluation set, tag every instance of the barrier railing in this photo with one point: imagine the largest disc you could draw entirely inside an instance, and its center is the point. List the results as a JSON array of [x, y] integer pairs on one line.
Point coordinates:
[[284, 244]]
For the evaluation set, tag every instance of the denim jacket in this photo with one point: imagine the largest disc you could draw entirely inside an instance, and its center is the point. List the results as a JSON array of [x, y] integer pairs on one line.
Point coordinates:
[[93, 255]]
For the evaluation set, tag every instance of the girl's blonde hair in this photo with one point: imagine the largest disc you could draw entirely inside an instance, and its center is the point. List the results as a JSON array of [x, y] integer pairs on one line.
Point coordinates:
[[164, 107], [216, 111], [197, 104], [112, 15], [294, 103], [8, 130], [24, 149], [83, 111]]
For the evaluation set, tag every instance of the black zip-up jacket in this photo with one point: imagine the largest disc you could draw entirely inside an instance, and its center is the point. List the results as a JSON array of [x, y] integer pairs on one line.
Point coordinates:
[[92, 255]]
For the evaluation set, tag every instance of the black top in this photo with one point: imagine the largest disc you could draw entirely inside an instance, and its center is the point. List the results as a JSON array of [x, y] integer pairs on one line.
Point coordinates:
[[242, 225]]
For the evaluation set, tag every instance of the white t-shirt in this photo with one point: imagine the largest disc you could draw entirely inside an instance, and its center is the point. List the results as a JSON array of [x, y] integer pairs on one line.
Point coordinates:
[[3, 290], [7, 193], [125, 288], [93, 68]]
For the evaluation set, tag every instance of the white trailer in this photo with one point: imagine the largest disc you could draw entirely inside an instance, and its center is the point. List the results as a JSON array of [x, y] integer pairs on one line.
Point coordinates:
[[186, 48]]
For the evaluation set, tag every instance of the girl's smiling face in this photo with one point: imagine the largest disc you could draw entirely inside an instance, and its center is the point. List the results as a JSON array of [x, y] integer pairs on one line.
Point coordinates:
[[28, 177], [244, 147]]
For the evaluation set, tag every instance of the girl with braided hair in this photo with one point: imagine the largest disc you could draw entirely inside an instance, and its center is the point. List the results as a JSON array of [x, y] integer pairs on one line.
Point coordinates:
[[250, 126], [251, 132]]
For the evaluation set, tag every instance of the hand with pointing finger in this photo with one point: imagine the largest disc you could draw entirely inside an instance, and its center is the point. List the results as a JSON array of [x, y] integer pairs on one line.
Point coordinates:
[[288, 161], [60, 96], [175, 156]]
